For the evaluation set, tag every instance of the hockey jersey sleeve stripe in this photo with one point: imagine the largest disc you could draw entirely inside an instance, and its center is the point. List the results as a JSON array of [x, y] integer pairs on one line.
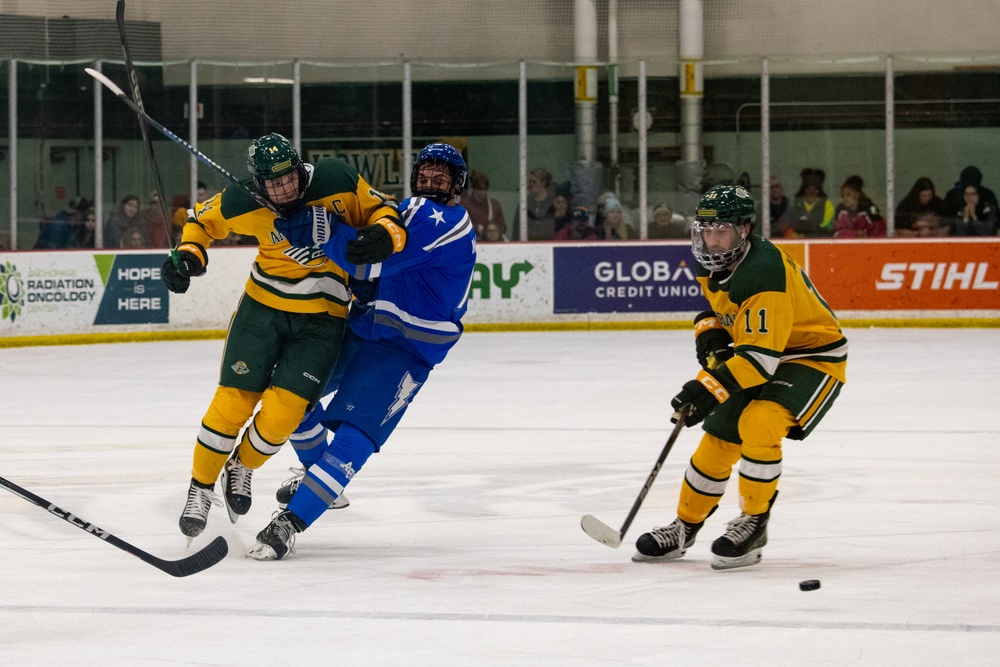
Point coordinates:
[[437, 325], [328, 286], [415, 334], [463, 227], [836, 351]]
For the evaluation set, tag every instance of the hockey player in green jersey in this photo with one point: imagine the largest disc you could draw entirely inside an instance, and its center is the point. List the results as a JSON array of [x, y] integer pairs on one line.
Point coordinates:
[[773, 361], [286, 334]]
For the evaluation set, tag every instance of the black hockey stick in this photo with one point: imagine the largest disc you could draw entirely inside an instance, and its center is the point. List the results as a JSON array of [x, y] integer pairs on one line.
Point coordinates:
[[143, 129], [604, 533], [193, 564], [204, 159]]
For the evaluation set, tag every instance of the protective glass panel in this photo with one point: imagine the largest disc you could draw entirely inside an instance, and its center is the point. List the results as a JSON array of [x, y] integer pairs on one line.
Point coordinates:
[[946, 145], [474, 108], [354, 112], [828, 147]]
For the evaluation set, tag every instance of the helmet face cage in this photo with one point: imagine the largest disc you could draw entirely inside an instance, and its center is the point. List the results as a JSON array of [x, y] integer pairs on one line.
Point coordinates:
[[447, 156], [271, 157], [724, 210], [718, 258]]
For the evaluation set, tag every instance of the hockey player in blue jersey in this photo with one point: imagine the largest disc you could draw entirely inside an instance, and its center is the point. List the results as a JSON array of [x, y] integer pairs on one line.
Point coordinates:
[[411, 282]]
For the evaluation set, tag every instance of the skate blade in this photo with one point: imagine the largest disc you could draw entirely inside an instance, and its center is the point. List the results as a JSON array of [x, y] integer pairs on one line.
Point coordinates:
[[752, 557], [639, 557]]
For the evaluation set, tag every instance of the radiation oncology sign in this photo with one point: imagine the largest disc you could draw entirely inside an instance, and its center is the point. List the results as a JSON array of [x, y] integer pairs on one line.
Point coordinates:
[[65, 292]]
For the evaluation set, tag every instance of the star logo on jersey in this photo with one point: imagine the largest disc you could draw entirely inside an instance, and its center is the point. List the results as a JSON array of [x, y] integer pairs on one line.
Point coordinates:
[[438, 217], [404, 394]]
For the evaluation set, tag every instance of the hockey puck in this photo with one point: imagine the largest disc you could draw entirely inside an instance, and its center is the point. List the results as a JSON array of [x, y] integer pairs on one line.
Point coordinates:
[[809, 585]]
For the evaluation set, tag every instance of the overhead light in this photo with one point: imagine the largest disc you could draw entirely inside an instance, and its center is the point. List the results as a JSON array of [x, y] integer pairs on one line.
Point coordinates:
[[261, 79]]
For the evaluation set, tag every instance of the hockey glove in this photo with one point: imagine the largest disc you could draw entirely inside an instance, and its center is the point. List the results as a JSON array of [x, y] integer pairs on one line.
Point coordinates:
[[309, 226], [712, 342], [177, 276], [701, 395], [376, 242]]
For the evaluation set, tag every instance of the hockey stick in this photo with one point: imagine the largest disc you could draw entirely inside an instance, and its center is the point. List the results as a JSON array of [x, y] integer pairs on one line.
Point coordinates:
[[204, 159], [604, 533], [143, 129], [193, 564]]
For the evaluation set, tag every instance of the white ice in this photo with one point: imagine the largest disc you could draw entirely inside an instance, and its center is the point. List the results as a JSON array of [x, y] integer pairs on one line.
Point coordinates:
[[462, 545]]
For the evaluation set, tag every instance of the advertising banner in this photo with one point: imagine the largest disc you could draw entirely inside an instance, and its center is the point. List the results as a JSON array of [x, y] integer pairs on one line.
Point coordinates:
[[512, 282], [634, 278], [907, 275]]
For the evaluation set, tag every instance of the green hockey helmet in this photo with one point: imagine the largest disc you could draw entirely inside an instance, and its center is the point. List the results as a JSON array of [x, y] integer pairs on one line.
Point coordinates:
[[270, 157], [719, 233]]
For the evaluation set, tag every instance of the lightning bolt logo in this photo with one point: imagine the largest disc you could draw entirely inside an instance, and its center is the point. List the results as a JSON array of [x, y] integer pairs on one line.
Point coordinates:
[[404, 393]]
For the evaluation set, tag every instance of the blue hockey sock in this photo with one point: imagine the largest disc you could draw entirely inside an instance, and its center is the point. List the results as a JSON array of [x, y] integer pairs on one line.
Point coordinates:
[[309, 438], [326, 479]]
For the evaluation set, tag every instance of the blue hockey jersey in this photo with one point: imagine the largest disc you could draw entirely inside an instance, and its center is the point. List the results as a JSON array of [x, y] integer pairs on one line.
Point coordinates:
[[421, 292]]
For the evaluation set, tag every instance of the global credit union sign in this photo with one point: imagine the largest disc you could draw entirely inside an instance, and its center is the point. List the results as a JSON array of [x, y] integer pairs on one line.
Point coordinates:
[[625, 279]]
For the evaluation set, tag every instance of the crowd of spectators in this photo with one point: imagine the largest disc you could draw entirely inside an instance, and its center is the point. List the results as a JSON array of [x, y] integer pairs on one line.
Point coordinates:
[[558, 211]]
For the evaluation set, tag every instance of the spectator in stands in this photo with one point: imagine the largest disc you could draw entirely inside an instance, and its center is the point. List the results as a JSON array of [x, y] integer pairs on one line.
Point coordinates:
[[856, 216], [812, 211], [181, 212], [84, 235], [580, 229], [668, 225], [780, 220], [926, 224], [954, 199], [133, 238], [976, 217], [541, 219], [615, 224], [492, 233], [560, 212], [61, 231], [482, 208], [921, 199], [125, 215], [153, 226]]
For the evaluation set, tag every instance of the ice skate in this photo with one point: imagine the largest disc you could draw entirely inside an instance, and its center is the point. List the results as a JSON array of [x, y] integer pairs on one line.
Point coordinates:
[[200, 499], [666, 543], [236, 479], [277, 540], [288, 488], [743, 541]]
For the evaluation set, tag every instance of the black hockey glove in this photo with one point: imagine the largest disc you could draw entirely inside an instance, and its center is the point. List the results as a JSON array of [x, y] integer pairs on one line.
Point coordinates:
[[712, 342], [702, 396], [177, 277], [376, 242]]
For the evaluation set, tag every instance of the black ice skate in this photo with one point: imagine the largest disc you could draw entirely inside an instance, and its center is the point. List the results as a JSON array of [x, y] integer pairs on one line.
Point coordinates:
[[743, 541], [236, 479], [666, 543], [277, 540], [200, 499], [288, 488]]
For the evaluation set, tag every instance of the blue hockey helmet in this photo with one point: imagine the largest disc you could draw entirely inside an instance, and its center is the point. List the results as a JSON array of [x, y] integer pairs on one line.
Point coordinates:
[[443, 154]]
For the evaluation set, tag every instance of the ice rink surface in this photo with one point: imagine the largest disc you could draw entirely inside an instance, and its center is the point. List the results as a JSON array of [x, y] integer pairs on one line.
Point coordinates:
[[462, 545]]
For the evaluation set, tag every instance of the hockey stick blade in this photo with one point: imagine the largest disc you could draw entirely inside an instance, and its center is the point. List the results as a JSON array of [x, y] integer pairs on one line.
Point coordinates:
[[204, 159], [601, 531], [193, 564]]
